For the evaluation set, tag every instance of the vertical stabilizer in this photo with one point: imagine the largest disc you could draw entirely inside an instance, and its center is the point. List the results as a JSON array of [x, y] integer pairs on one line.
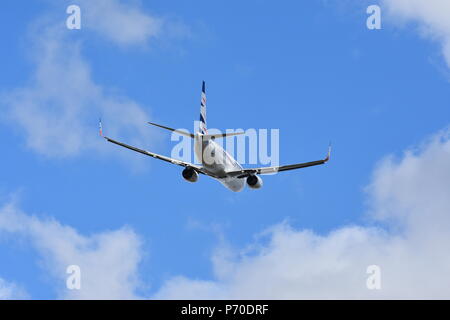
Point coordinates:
[[202, 127]]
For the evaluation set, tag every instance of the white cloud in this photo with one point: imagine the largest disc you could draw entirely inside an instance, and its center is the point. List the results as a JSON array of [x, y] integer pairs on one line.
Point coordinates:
[[414, 192], [58, 111], [5, 290], [59, 107], [410, 196], [108, 260], [431, 15], [122, 22], [407, 196], [10, 290]]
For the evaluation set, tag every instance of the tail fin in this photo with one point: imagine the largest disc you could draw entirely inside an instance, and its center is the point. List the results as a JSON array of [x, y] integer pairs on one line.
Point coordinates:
[[202, 127]]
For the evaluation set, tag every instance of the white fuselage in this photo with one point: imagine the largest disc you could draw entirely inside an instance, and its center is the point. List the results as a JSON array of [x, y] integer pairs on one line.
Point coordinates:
[[218, 162]]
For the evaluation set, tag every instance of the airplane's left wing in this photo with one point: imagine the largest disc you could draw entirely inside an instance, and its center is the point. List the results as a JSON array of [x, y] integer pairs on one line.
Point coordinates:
[[269, 170], [161, 157]]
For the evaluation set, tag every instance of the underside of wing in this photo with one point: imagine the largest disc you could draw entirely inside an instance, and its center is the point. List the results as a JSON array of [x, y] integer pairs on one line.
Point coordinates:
[[161, 157], [270, 170]]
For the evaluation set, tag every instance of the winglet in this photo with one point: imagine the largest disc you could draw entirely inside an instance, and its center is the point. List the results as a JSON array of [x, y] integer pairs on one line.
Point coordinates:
[[329, 153], [100, 127]]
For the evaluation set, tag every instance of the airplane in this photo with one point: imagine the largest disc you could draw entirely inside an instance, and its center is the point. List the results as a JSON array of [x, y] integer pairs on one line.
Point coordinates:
[[219, 165]]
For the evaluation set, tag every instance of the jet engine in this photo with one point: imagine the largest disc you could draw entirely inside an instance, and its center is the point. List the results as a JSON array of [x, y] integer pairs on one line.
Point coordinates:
[[190, 175], [254, 182]]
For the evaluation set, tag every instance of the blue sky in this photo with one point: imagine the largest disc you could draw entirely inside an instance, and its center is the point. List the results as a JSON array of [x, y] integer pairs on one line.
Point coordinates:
[[311, 69]]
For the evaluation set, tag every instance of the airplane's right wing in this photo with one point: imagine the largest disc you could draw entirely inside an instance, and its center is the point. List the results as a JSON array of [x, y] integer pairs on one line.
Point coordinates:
[[269, 170]]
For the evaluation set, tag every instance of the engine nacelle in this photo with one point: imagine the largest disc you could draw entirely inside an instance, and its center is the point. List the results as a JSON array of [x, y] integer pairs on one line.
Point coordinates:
[[254, 182], [190, 175]]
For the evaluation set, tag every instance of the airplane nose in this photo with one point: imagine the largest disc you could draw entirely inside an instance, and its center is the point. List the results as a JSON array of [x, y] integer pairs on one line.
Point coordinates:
[[237, 187]]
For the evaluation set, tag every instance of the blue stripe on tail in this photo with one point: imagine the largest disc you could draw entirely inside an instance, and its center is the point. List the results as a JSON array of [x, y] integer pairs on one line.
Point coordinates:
[[202, 128]]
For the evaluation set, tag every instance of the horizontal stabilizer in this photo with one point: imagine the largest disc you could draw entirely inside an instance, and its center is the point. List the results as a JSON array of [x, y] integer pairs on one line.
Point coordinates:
[[184, 133], [221, 135], [205, 136]]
